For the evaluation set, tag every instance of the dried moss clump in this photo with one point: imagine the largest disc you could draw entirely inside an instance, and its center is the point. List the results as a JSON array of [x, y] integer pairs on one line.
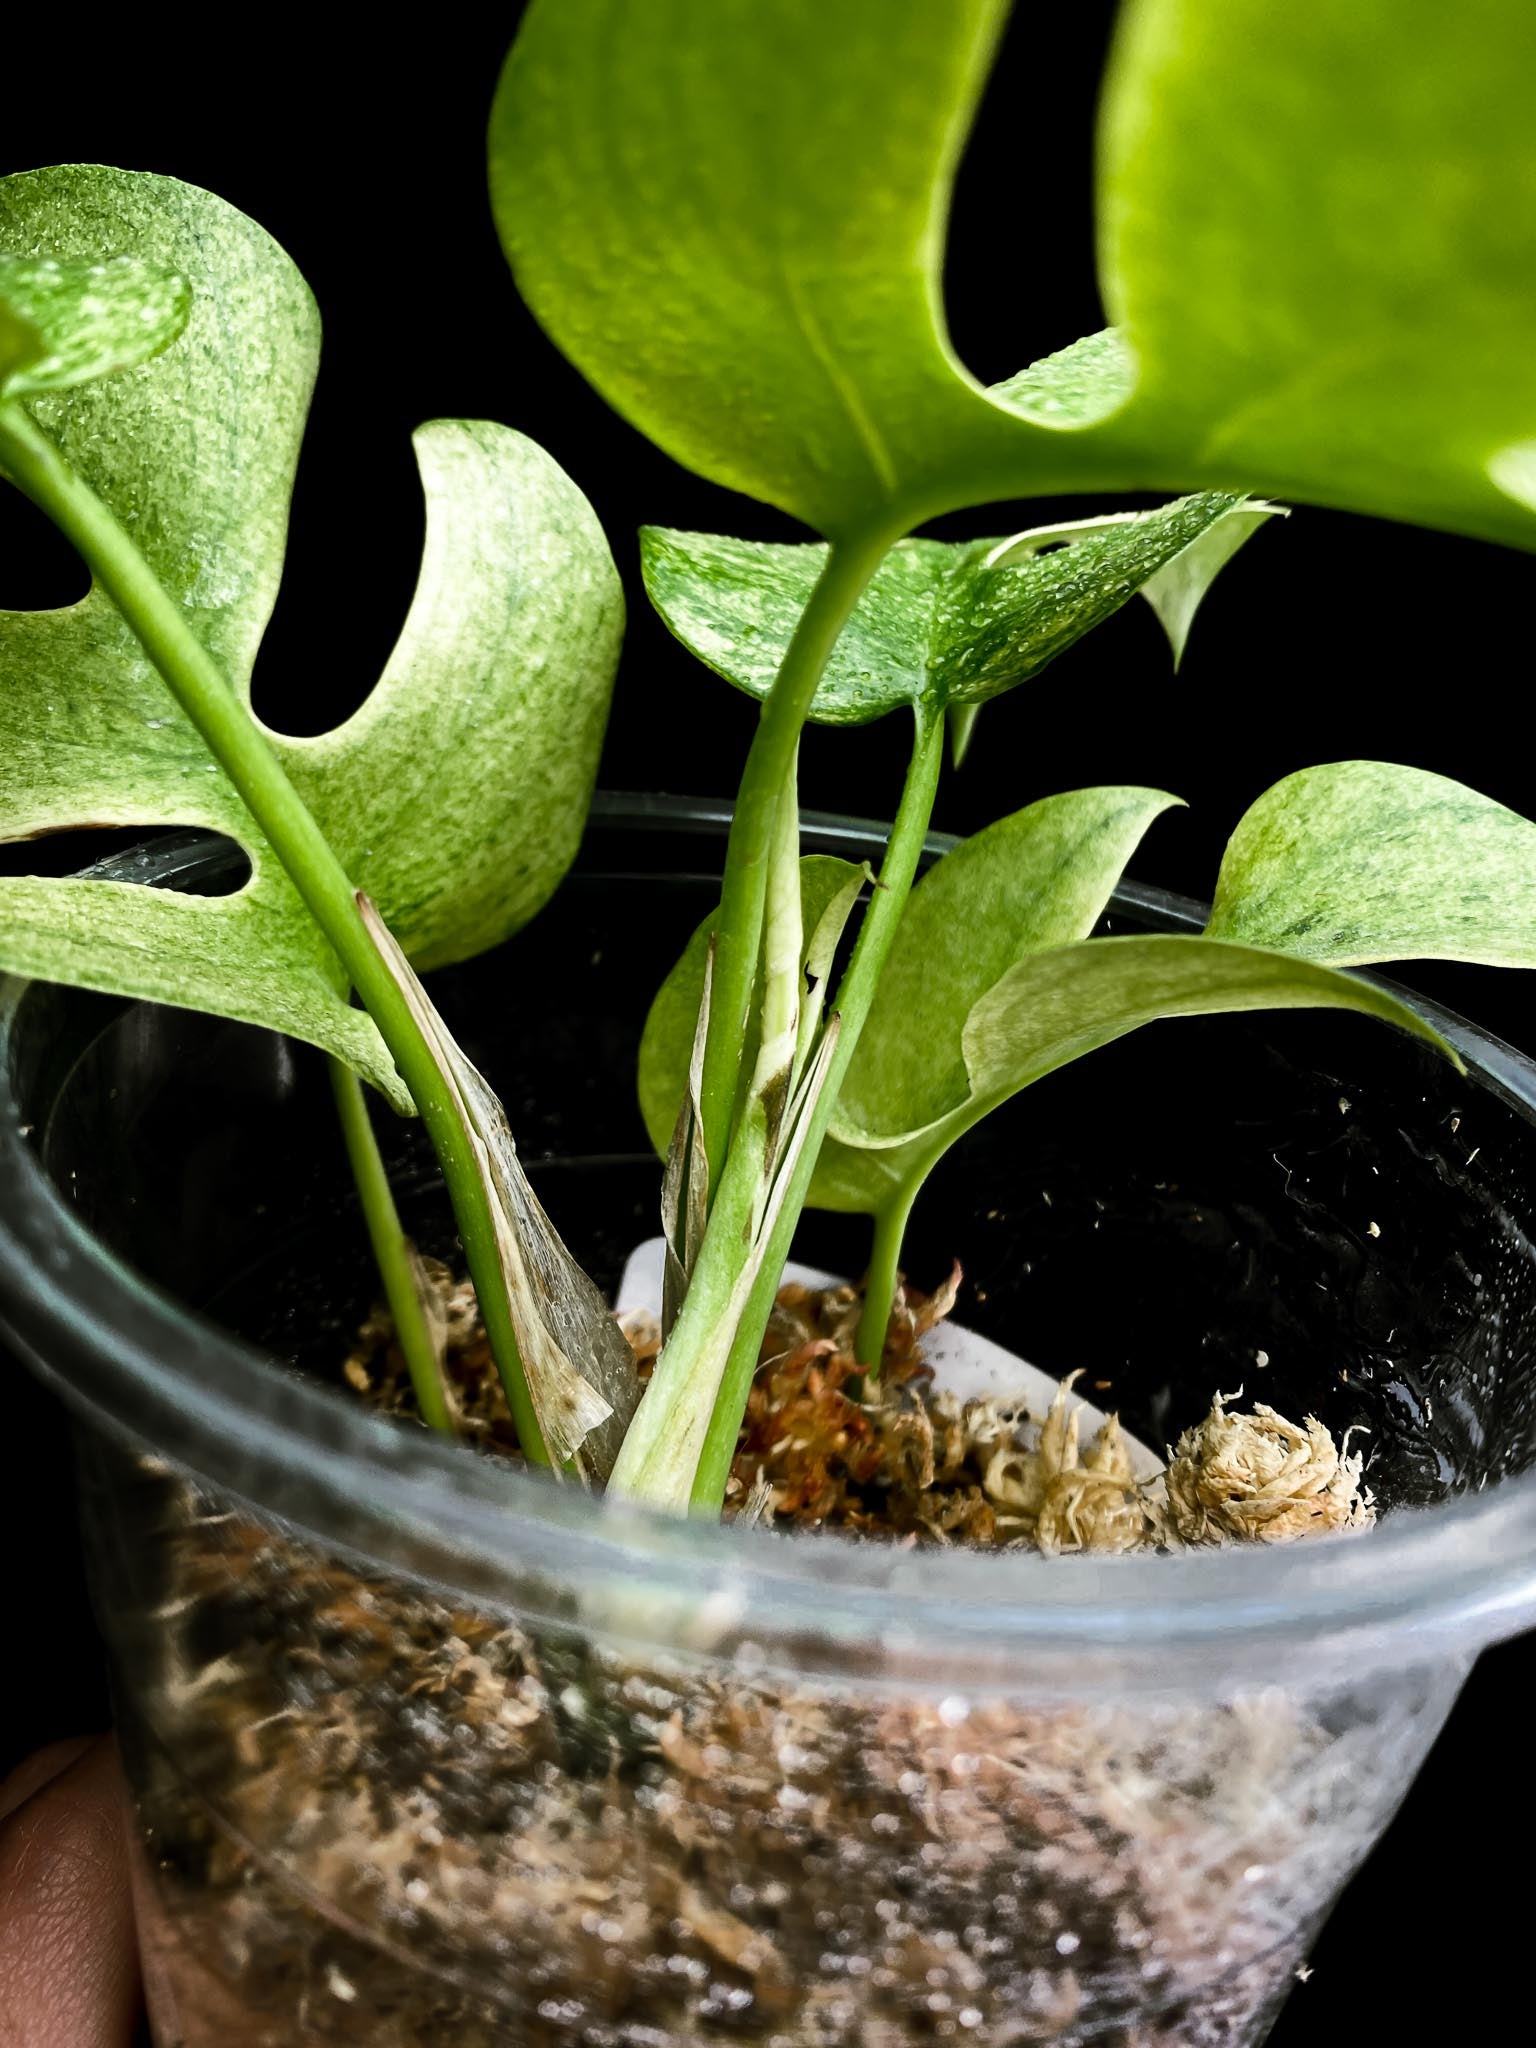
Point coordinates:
[[824, 1446], [1260, 1478], [1068, 1498]]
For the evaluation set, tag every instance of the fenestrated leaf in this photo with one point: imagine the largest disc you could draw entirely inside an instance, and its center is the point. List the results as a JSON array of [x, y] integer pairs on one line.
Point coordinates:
[[1317, 223], [1053, 1007], [458, 792], [730, 217], [455, 795], [1037, 879], [828, 888], [579, 1369], [1361, 861], [941, 623], [1318, 233], [65, 323]]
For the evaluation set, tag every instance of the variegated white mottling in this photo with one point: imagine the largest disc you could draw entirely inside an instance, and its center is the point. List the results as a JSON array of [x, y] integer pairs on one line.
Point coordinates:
[[455, 795], [1364, 861], [67, 323], [942, 623]]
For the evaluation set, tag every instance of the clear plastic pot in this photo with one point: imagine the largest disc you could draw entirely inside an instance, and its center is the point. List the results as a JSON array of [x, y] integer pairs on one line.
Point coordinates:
[[424, 1749]]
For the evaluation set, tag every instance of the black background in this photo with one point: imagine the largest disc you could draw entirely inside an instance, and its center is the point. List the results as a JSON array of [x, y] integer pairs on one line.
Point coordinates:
[[1330, 637]]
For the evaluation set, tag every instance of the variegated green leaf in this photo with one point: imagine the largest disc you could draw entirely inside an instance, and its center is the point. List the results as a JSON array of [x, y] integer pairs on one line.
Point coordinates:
[[455, 795], [941, 623], [1361, 861], [1036, 880], [64, 323]]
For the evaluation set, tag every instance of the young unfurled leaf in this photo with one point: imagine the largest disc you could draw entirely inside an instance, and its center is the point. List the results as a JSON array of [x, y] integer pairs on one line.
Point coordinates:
[[455, 795], [828, 890], [577, 1363], [942, 623], [68, 323], [1362, 861]]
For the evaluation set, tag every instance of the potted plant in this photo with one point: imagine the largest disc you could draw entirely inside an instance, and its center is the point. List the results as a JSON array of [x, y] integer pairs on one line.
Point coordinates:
[[425, 1743]]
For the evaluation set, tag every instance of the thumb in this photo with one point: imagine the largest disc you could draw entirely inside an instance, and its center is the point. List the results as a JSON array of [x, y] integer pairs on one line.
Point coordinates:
[[68, 1964]]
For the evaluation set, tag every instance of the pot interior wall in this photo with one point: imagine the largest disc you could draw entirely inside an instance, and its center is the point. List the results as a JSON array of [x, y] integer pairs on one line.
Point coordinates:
[[1312, 1209]]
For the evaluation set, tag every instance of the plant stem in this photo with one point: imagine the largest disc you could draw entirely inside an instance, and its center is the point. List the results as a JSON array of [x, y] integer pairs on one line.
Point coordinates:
[[897, 872], [391, 1249], [662, 1446], [238, 745], [884, 1276], [770, 764]]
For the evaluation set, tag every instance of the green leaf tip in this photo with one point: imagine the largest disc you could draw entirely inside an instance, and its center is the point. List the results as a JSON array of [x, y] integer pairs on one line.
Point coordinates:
[[1357, 862], [66, 322]]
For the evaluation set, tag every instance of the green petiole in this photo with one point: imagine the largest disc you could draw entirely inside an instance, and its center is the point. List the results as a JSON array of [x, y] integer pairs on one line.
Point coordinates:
[[391, 1249], [855, 993], [769, 770], [884, 1275], [29, 458]]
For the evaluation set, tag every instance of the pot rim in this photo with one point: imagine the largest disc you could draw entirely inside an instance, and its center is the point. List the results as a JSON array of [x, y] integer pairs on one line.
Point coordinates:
[[1430, 1581]]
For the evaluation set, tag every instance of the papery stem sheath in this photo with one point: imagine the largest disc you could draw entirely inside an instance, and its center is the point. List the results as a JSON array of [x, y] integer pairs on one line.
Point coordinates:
[[854, 996]]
